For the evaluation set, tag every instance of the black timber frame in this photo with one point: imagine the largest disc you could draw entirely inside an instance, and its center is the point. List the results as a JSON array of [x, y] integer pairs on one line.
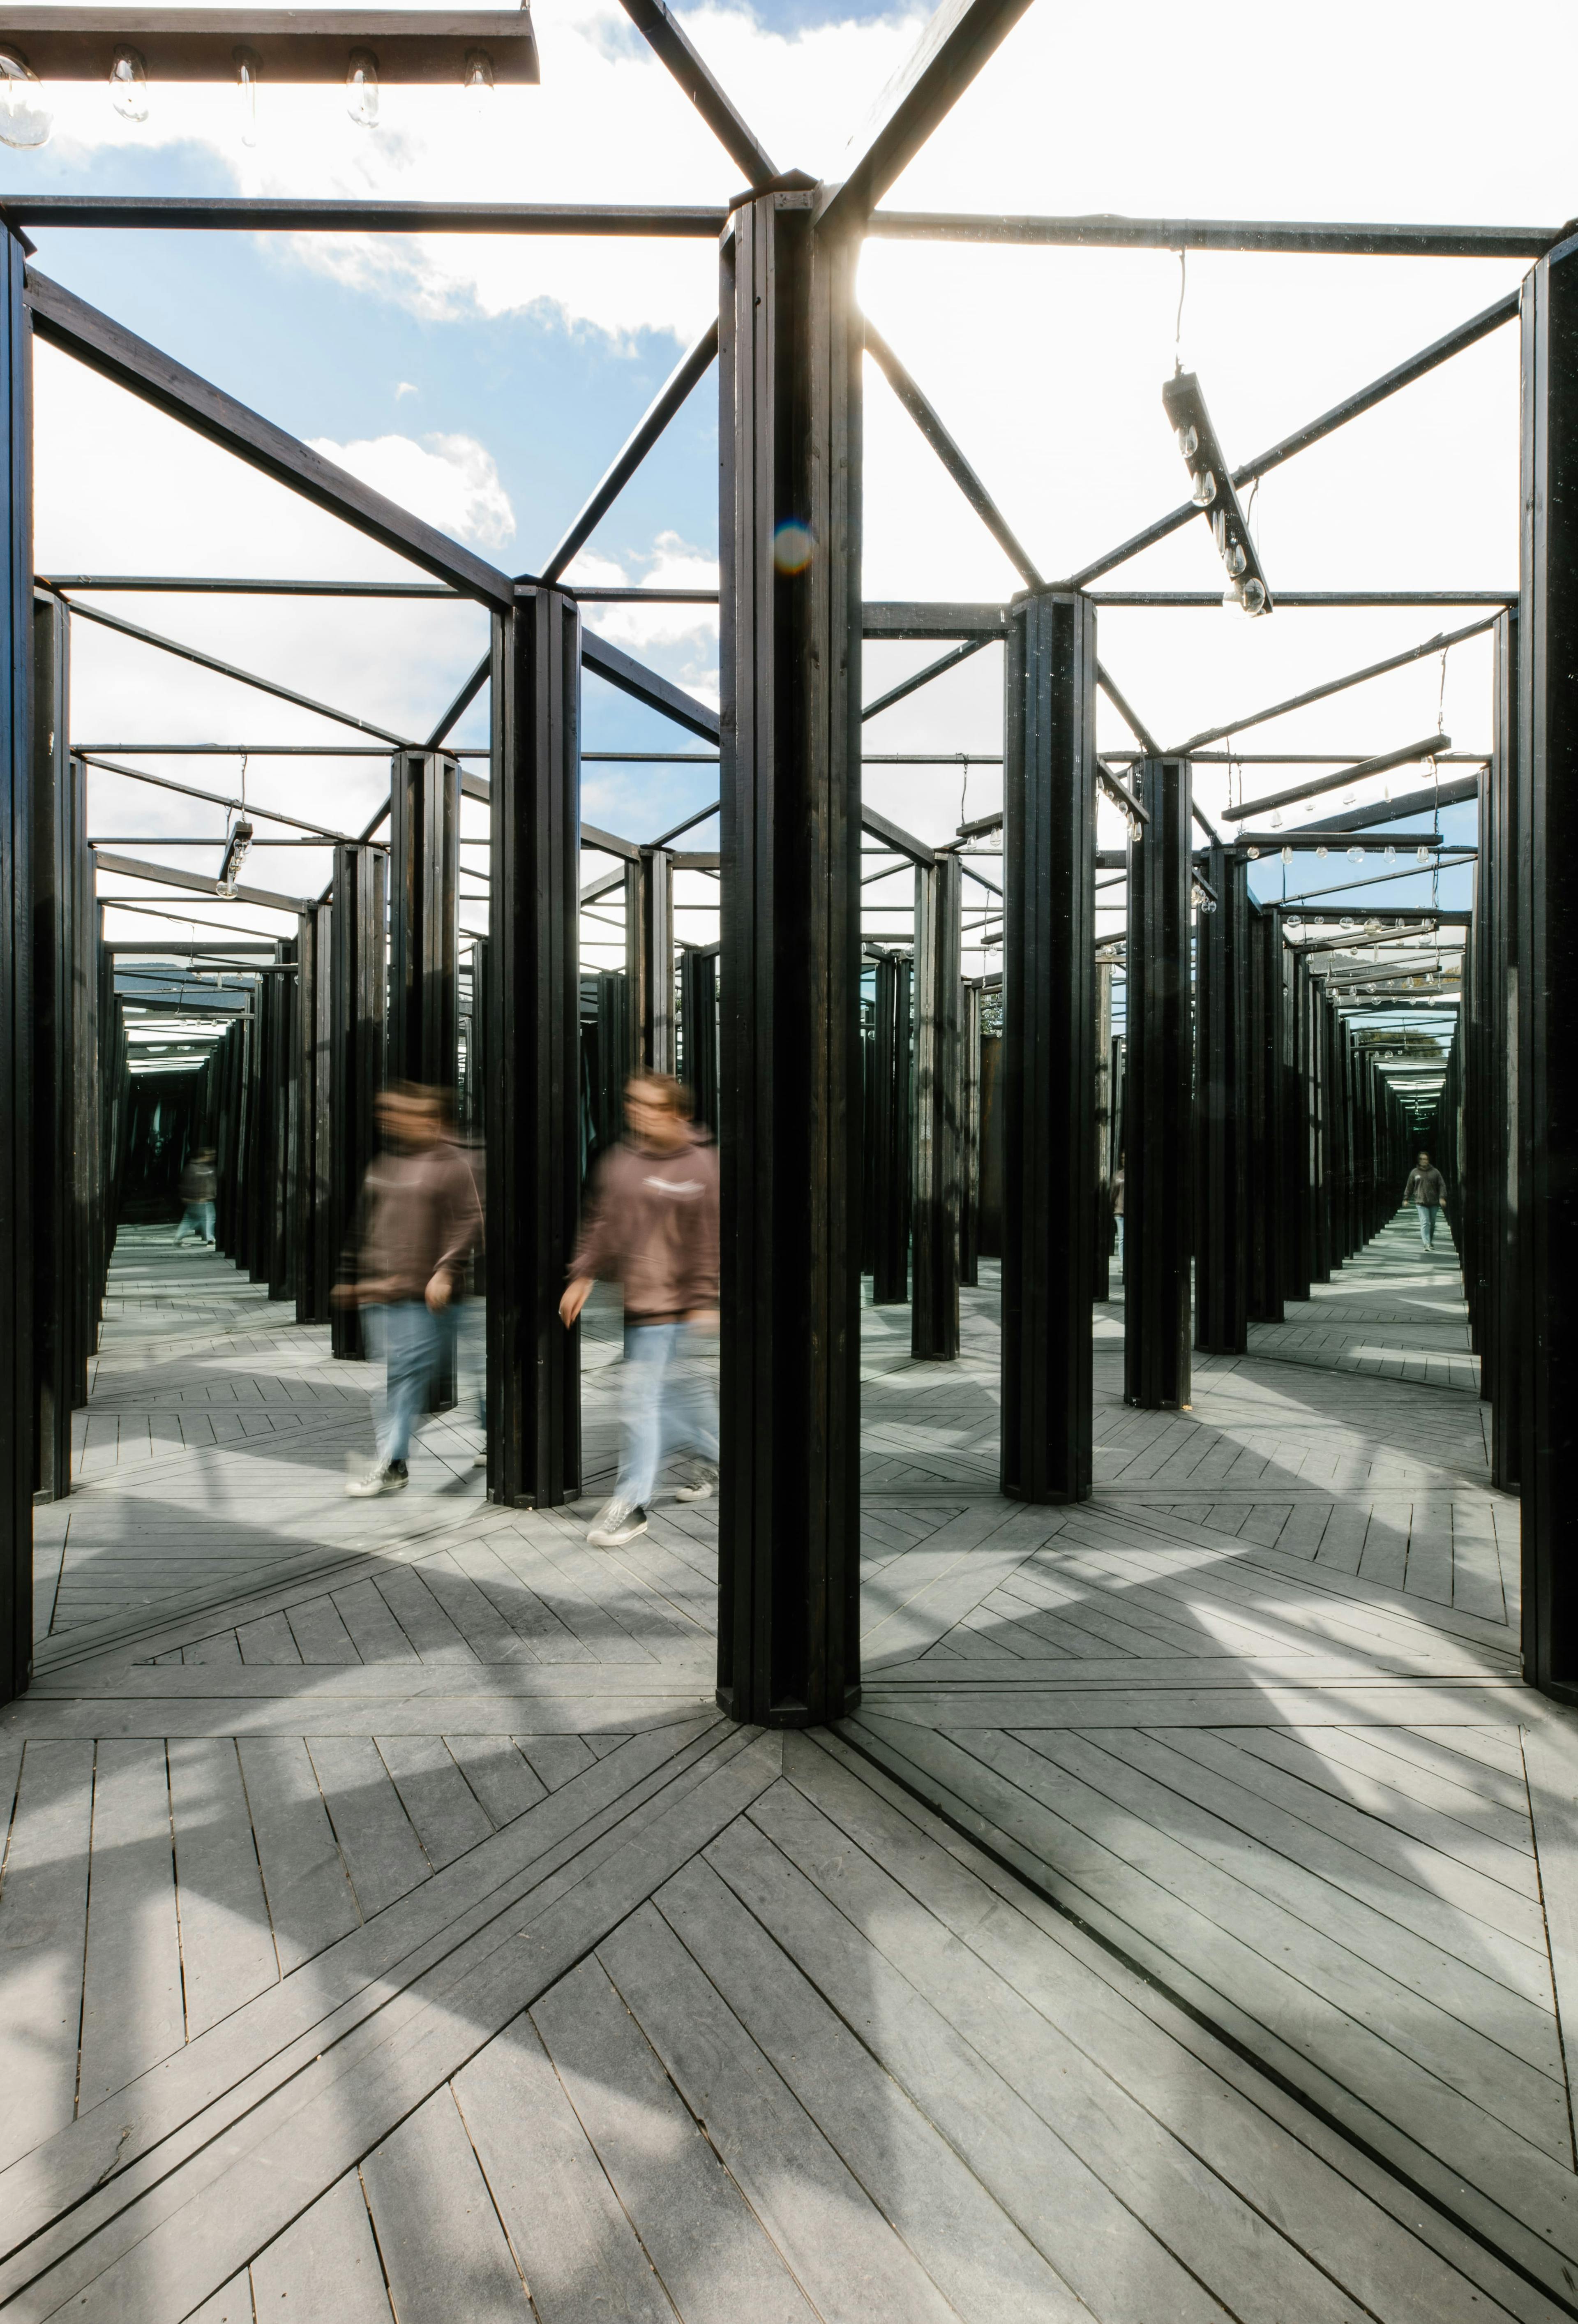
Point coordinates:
[[1222, 1113], [61, 1253], [16, 1029], [1048, 1068], [938, 988], [358, 1007], [423, 920], [1158, 1128]]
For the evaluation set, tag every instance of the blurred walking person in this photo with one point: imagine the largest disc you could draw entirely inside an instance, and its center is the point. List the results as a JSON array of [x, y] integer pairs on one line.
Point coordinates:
[[419, 1219], [200, 1191], [651, 1225], [1427, 1190]]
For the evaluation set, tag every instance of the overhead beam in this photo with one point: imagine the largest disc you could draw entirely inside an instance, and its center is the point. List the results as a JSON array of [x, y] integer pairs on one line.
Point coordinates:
[[107, 348], [662, 34], [913, 684], [916, 619], [642, 685], [895, 835], [1396, 810], [1467, 334], [1340, 684], [1407, 755], [931, 427], [688, 373], [230, 669], [954, 46], [292, 45], [163, 875], [240, 214], [1106, 231], [211, 798]]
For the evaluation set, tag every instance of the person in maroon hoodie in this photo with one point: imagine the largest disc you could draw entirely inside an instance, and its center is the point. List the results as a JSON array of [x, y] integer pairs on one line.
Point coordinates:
[[651, 1224]]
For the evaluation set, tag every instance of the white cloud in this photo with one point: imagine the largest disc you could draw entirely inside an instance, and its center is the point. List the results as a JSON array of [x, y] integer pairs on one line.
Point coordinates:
[[451, 481], [406, 387]]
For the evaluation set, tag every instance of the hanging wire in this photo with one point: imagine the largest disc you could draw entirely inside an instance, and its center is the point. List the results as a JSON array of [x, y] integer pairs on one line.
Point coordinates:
[[964, 785]]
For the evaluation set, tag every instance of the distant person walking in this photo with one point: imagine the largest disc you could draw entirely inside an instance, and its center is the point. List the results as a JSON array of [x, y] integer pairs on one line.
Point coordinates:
[[200, 1191], [651, 1225], [419, 1218], [1427, 1190]]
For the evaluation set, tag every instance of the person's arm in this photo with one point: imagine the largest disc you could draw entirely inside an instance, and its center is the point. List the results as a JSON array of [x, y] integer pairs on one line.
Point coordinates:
[[461, 1224], [596, 1253]]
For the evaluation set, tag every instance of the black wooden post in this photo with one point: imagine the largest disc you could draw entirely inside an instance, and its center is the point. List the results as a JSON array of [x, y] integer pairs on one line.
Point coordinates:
[[970, 1167], [56, 1067], [698, 1025], [17, 1392], [423, 924], [1157, 1189], [1222, 1039], [1499, 969], [1101, 1274], [1546, 949], [279, 998], [890, 1118], [1267, 1180], [790, 353], [311, 1134], [93, 1001], [1048, 1065], [652, 965], [533, 1049], [358, 1007], [935, 1218]]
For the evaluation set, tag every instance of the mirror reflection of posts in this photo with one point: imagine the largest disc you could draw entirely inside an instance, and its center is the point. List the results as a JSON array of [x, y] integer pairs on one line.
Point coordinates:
[[925, 1058]]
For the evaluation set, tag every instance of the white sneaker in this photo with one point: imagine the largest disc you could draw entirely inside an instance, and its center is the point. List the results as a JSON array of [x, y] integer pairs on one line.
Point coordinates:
[[704, 1479], [615, 1525], [383, 1477]]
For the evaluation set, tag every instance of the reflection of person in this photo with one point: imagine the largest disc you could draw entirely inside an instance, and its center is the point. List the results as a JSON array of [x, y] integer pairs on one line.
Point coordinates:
[[1427, 1190], [1118, 1205], [651, 1225], [199, 1190], [420, 1218]]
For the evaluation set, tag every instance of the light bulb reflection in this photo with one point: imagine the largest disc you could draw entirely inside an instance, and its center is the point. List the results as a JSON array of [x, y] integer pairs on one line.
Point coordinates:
[[477, 79], [248, 65], [362, 88], [129, 85], [24, 120]]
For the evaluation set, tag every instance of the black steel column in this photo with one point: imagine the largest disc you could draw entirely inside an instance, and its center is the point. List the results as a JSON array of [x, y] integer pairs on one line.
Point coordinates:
[[424, 924], [56, 1075], [1158, 1179], [1222, 1116], [533, 1048], [1048, 1040], [938, 1000], [1547, 969], [1267, 1178], [358, 1007], [1500, 972], [790, 353], [311, 1128], [889, 1119]]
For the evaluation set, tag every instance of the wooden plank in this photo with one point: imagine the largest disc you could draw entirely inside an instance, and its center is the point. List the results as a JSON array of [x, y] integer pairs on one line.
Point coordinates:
[[326, 2264], [713, 2253], [227, 1941], [383, 1853], [320, 1634], [583, 2261], [232, 2304], [851, 2263], [43, 1922], [500, 1778], [132, 2006], [555, 1759], [311, 1902], [448, 1816], [377, 1637], [445, 2254]]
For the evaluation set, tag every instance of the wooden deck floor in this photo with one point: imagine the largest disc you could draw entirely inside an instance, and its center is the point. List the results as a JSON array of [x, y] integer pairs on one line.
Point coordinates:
[[390, 1928]]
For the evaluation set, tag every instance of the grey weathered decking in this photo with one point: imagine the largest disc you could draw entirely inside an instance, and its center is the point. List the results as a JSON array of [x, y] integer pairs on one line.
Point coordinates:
[[390, 1924]]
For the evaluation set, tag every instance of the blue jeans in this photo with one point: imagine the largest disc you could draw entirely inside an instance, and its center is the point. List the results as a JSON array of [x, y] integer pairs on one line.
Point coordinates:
[[669, 1400], [411, 1341], [198, 1220], [1426, 1211], [1120, 1228]]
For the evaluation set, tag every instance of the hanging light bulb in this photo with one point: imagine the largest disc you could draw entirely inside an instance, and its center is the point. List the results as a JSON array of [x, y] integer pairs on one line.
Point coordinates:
[[1287, 855], [1320, 854], [362, 88], [248, 66], [1355, 855], [1254, 599], [1295, 920], [1391, 854], [1235, 558], [1421, 855], [477, 79], [129, 85], [1188, 441], [24, 121], [1203, 491], [1277, 820], [1253, 854]]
